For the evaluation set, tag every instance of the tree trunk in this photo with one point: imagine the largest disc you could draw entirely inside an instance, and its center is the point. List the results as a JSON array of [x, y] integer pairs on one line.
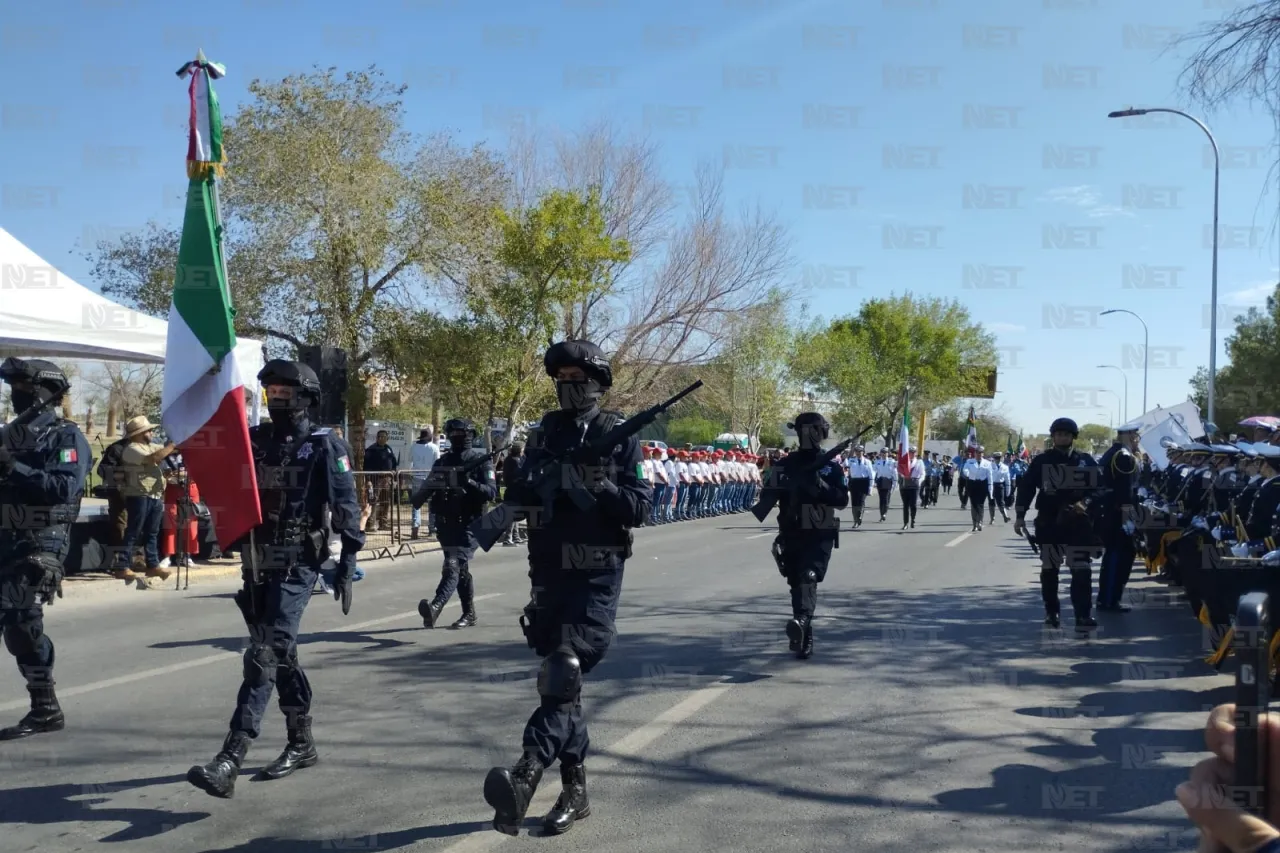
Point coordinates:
[[113, 413]]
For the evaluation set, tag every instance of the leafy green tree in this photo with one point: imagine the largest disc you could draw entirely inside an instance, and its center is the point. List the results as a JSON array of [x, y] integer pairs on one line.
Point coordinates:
[[867, 361], [1246, 386], [951, 422], [692, 430]]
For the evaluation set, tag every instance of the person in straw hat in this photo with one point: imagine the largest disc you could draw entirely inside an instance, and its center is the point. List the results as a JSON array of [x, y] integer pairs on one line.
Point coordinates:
[[143, 491]]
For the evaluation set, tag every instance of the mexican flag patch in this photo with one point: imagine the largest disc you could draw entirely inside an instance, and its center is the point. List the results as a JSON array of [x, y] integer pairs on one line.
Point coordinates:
[[65, 456], [639, 470], [344, 464]]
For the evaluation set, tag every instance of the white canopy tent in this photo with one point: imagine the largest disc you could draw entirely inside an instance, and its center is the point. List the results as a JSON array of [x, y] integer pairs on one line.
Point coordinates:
[[45, 314]]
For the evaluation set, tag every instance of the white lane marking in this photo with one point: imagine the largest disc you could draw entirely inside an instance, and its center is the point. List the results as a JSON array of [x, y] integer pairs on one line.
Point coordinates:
[[762, 535], [630, 746], [958, 540], [220, 656]]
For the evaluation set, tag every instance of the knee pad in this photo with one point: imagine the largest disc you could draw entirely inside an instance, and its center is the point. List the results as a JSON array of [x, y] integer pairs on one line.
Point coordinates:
[[286, 658], [561, 676], [259, 665]]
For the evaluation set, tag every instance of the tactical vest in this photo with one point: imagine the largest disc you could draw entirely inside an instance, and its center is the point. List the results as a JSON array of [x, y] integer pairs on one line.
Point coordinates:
[[49, 528], [283, 485]]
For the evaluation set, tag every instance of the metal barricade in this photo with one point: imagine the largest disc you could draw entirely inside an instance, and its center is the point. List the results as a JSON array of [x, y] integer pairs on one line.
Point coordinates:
[[408, 483], [379, 512]]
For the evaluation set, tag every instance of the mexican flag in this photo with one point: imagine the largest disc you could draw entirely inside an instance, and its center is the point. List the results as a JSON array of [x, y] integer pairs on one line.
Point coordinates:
[[904, 438], [203, 401], [971, 438], [1008, 443], [1022, 448]]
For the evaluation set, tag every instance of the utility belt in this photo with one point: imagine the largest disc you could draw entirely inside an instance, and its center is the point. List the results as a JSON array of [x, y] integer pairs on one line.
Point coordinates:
[[293, 544]]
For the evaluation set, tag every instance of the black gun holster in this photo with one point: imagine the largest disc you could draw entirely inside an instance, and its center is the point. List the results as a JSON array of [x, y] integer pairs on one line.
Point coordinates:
[[529, 625], [252, 601]]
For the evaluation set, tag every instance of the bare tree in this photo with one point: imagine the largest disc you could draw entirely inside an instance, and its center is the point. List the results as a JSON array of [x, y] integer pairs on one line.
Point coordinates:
[[131, 390], [1236, 57]]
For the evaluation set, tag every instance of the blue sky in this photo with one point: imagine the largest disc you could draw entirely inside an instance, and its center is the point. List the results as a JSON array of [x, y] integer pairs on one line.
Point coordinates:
[[955, 149]]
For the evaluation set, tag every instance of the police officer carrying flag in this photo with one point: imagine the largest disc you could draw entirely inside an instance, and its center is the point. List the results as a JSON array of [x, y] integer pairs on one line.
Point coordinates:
[[304, 478], [44, 461], [457, 498], [576, 559]]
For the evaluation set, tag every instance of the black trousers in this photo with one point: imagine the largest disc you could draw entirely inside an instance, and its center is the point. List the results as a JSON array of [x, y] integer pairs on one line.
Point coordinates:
[[574, 610], [976, 491], [885, 489], [909, 499], [858, 490], [458, 546], [22, 626], [1052, 558], [273, 611]]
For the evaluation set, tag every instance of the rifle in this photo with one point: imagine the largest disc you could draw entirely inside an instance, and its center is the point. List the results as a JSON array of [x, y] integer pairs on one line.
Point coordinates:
[[545, 479], [769, 496], [443, 478]]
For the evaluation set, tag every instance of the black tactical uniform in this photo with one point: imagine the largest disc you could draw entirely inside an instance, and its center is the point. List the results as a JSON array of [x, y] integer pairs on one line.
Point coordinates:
[[1060, 481], [304, 478], [1120, 471], [808, 527], [456, 500], [44, 461], [576, 559]]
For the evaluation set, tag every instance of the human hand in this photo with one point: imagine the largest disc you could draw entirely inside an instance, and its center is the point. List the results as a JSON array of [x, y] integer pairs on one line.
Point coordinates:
[[1224, 827]]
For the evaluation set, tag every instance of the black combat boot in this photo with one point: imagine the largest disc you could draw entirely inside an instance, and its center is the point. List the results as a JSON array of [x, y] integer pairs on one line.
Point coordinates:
[[468, 618], [806, 643], [795, 632], [299, 754], [45, 715], [573, 804], [510, 790], [218, 777], [430, 611]]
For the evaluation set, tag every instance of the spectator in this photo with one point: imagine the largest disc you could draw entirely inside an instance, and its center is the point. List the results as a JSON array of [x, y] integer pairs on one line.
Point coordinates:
[[380, 460], [425, 453], [108, 471], [179, 490], [512, 468], [143, 488]]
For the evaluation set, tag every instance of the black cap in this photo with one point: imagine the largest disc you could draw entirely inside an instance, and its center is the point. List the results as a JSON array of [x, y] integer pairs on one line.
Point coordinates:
[[37, 371], [280, 371]]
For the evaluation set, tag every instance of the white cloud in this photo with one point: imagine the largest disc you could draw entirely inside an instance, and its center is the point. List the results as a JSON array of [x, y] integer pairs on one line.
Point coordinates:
[[1087, 198], [1005, 327], [1254, 294]]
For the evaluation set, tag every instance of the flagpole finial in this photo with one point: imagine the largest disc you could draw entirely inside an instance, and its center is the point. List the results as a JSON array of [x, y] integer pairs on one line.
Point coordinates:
[[200, 55]]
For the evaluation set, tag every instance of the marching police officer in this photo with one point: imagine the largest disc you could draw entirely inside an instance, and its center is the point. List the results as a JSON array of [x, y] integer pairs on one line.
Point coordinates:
[[576, 559], [457, 498], [1060, 480], [808, 527], [304, 480], [1120, 470], [44, 461]]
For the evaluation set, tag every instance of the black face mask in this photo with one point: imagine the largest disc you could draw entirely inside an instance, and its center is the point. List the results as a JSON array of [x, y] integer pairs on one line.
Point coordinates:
[[578, 395], [459, 442], [22, 400], [809, 436], [288, 415]]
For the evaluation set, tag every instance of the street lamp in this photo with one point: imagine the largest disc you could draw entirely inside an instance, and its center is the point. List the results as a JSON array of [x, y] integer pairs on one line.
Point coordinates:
[[1146, 352], [1213, 308], [1126, 387], [1108, 416], [1117, 393]]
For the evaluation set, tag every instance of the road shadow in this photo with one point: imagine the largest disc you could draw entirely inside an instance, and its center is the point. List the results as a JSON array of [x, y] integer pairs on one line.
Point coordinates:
[[72, 803]]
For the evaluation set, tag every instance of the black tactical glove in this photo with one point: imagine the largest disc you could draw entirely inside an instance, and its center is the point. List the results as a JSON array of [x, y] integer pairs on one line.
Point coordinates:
[[342, 582], [6, 462]]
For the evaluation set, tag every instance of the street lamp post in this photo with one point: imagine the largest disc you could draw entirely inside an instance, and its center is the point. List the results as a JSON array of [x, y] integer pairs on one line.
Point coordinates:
[[1126, 388], [1146, 350], [1117, 393], [1213, 307]]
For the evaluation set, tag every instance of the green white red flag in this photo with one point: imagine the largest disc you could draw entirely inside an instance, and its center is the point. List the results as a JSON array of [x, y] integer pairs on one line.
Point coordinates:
[[971, 437], [203, 405], [904, 438]]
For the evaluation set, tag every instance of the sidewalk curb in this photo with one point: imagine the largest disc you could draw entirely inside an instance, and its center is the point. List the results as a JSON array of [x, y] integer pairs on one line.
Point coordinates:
[[82, 584]]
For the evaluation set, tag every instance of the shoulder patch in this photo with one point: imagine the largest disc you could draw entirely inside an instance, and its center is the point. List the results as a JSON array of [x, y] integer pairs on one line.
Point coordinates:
[[344, 464], [640, 470], [67, 456]]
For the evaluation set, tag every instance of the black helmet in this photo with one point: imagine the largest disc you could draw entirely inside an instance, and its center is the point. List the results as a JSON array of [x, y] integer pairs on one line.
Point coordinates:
[[583, 354], [459, 425], [37, 371], [811, 419], [1065, 425], [280, 371]]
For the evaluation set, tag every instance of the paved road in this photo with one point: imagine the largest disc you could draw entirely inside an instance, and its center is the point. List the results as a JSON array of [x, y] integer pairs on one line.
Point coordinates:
[[937, 713]]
